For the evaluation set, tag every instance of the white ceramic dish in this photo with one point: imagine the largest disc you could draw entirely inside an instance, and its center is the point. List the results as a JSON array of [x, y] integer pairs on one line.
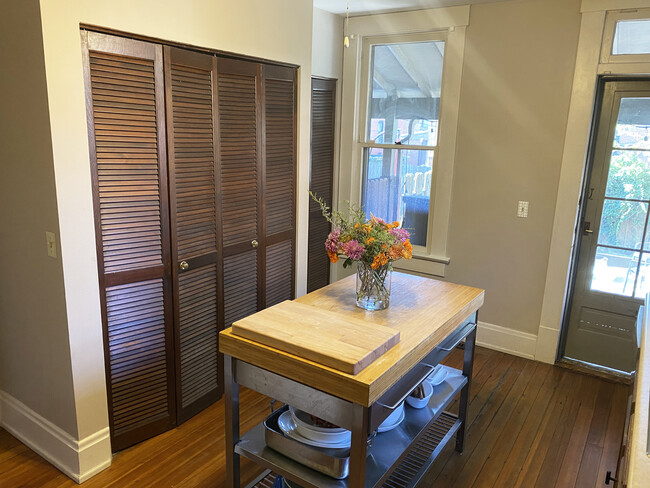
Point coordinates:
[[437, 376], [316, 433], [421, 402], [385, 426], [289, 428]]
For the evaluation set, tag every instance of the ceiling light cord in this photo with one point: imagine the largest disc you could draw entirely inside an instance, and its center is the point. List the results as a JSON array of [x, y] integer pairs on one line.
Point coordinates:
[[346, 39]]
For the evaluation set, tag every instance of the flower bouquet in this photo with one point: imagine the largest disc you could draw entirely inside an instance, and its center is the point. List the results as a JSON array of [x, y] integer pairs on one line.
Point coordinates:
[[374, 244]]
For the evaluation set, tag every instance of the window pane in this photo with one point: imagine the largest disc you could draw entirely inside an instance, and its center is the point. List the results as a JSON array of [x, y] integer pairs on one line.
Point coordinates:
[[632, 37], [632, 130], [622, 223], [629, 175], [397, 186], [643, 282], [404, 97], [613, 271]]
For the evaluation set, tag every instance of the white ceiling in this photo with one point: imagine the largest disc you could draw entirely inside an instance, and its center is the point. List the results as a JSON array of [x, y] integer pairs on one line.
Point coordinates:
[[363, 7]]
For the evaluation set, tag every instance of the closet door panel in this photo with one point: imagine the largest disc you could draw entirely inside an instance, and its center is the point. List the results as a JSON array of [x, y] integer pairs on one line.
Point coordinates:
[[323, 96], [190, 80], [241, 187], [279, 182], [124, 87]]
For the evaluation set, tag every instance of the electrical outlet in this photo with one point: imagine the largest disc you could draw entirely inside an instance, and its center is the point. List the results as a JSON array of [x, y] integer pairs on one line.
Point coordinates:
[[522, 209], [51, 244]]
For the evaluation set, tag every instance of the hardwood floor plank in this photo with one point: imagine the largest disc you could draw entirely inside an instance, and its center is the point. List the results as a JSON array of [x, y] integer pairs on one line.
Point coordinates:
[[577, 441], [529, 424], [522, 446]]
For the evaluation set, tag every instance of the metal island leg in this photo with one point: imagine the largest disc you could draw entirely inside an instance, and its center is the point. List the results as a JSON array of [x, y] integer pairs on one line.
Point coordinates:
[[231, 401], [468, 363]]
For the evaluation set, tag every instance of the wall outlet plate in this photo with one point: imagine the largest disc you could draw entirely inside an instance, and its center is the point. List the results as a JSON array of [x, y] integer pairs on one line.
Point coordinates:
[[522, 209], [51, 244]]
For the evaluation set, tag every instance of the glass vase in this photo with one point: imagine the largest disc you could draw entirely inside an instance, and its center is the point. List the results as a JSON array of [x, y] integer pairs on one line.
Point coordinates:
[[373, 286]]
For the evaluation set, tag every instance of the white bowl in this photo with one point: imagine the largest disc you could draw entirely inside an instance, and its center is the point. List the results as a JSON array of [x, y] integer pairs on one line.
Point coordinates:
[[421, 402], [307, 429]]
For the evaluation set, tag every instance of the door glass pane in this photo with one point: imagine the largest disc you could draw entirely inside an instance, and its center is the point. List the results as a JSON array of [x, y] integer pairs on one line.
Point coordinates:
[[632, 129], [404, 99], [613, 271], [622, 223], [397, 186], [643, 283], [632, 37], [629, 175]]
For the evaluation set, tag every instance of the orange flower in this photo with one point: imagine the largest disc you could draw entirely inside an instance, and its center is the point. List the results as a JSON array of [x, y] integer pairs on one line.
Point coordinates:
[[367, 228], [395, 224], [395, 252], [380, 260], [370, 240], [407, 251], [334, 257]]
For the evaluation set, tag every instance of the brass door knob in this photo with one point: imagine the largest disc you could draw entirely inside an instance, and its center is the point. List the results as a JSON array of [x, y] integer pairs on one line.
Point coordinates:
[[184, 266], [254, 243]]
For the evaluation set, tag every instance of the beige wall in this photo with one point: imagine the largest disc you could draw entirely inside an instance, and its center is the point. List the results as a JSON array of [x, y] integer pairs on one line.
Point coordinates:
[[517, 75], [276, 30], [34, 349], [327, 46]]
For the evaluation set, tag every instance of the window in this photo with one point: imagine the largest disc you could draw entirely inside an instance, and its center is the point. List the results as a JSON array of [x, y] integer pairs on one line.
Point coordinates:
[[401, 129], [627, 37]]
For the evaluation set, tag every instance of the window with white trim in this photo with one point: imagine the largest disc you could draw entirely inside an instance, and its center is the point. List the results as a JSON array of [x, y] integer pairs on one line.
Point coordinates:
[[626, 37], [402, 117]]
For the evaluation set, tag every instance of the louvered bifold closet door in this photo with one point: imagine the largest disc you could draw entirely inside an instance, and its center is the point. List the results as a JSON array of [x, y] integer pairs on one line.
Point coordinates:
[[323, 97], [279, 182], [125, 101], [241, 186], [190, 79]]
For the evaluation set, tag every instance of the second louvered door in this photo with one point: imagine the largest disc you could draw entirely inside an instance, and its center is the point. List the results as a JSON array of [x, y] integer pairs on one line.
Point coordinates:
[[190, 79], [279, 183]]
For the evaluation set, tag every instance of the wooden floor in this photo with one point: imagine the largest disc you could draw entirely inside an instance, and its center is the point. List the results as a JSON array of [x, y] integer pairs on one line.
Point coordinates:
[[530, 425]]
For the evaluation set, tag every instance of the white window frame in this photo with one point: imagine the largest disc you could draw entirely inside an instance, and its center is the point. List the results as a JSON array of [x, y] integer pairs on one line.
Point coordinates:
[[364, 99], [612, 19], [447, 24]]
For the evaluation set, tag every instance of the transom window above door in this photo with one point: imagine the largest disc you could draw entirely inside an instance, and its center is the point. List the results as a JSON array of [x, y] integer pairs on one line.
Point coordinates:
[[627, 37], [402, 116]]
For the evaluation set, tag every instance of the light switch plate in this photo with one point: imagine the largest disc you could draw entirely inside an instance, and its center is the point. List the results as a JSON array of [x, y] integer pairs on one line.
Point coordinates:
[[51, 244], [522, 209]]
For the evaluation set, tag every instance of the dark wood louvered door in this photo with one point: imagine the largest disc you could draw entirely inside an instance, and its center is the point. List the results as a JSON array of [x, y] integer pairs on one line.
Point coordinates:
[[323, 98], [240, 144], [124, 86], [190, 79], [279, 170]]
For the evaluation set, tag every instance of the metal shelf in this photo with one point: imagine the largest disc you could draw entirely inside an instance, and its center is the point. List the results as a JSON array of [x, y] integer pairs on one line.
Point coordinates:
[[420, 431], [416, 463]]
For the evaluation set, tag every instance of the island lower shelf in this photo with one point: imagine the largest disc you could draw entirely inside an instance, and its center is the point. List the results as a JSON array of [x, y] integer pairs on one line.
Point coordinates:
[[397, 458]]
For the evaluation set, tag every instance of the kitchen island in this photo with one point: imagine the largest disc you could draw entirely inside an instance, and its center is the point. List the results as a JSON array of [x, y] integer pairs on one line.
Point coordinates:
[[432, 317]]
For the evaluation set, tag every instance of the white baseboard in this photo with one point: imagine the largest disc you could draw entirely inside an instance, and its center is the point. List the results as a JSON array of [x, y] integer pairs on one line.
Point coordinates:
[[79, 459], [506, 340]]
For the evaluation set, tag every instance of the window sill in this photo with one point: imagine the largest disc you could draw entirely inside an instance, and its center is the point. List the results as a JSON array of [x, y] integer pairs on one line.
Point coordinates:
[[424, 263]]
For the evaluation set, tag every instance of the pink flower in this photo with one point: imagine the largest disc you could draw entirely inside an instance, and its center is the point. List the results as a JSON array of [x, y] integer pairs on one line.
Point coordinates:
[[400, 234], [332, 242], [376, 220], [353, 249]]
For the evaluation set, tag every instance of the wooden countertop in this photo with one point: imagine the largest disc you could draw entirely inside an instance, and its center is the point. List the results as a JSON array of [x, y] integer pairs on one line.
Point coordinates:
[[639, 470], [424, 310]]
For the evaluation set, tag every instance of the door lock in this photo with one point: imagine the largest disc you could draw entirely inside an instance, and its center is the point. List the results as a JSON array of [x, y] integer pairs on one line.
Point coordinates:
[[586, 228]]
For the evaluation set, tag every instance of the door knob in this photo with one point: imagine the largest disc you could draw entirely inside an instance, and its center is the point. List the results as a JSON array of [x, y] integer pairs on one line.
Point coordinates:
[[184, 266], [254, 243]]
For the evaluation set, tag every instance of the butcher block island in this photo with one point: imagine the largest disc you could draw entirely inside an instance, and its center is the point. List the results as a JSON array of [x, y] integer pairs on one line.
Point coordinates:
[[431, 317]]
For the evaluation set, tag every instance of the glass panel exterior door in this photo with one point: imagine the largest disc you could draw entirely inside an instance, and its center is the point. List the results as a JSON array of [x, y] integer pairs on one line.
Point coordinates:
[[612, 271]]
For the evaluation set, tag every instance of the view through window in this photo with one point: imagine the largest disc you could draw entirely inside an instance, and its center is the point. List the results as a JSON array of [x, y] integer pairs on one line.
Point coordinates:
[[401, 134]]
